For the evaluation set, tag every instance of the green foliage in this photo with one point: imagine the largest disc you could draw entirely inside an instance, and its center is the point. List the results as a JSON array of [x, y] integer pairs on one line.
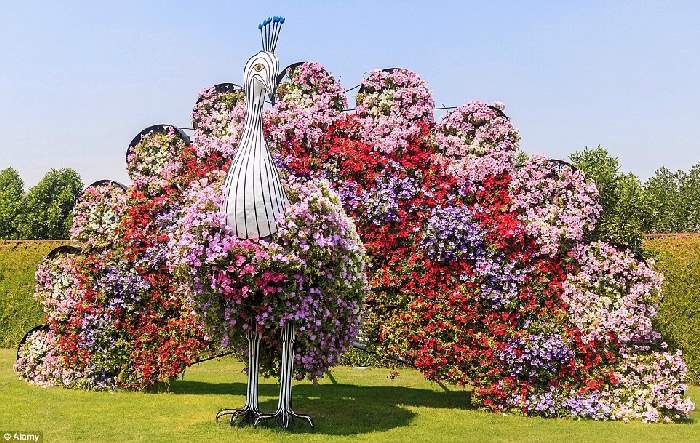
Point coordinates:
[[625, 227], [18, 310], [678, 257], [675, 201], [11, 190], [689, 188], [625, 206], [360, 357], [668, 201], [664, 195], [45, 211]]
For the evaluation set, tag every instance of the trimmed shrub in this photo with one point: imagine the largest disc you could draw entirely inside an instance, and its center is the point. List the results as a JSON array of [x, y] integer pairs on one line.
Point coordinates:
[[18, 311], [678, 258]]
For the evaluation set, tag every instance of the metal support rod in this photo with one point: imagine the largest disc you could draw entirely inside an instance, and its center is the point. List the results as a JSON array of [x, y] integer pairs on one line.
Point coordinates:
[[250, 411], [284, 403], [251, 395]]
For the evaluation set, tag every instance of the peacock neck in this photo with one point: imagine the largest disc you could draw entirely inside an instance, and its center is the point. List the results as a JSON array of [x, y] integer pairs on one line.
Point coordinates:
[[253, 125]]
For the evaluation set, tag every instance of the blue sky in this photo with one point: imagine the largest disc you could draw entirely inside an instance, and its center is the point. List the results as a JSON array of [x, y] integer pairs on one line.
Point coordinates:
[[79, 79]]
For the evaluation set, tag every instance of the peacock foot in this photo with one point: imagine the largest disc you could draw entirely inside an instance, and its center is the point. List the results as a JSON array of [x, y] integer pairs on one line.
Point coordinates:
[[240, 417], [284, 418]]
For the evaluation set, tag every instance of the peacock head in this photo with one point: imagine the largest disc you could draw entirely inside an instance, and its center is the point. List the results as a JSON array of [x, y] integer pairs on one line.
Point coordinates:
[[262, 69]]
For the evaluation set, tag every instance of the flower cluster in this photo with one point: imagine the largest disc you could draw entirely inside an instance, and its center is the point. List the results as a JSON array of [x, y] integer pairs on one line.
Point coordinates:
[[308, 101], [152, 159], [531, 353], [57, 288], [649, 387], [217, 119], [389, 104], [555, 203], [94, 341], [78, 338], [381, 204], [97, 213], [452, 233], [38, 361], [612, 295], [477, 140]]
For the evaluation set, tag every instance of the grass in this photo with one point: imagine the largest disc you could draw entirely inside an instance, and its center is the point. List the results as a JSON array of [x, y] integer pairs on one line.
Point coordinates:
[[363, 405]]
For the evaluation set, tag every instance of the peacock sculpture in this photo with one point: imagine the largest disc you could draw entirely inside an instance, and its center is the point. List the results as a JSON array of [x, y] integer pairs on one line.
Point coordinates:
[[254, 201]]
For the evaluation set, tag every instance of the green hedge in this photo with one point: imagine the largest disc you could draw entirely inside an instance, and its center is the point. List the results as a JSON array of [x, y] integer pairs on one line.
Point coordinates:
[[18, 263], [678, 257]]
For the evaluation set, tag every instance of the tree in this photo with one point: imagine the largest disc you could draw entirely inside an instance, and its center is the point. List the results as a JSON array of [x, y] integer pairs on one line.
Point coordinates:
[[666, 202], [625, 206], [45, 211], [11, 190], [626, 224], [689, 189]]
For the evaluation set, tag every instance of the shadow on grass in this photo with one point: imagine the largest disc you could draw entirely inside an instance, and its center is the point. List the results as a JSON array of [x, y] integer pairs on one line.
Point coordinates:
[[342, 409]]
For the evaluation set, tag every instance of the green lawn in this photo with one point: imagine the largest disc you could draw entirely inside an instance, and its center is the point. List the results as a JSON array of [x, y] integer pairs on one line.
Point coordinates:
[[363, 405]]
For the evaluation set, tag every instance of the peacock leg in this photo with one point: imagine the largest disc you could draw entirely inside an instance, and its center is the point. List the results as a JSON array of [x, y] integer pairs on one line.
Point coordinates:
[[250, 411], [284, 413]]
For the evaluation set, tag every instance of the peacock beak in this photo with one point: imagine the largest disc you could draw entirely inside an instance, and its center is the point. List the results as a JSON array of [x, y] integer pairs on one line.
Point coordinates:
[[262, 82]]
